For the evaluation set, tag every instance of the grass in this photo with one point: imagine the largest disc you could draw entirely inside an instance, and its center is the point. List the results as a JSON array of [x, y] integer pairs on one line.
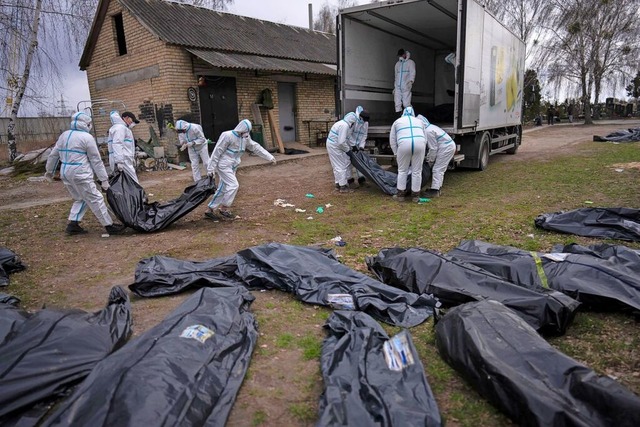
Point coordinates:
[[497, 205]]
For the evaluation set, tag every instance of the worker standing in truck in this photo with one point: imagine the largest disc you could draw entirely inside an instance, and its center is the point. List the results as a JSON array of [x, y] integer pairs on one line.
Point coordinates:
[[409, 144], [405, 75], [440, 151]]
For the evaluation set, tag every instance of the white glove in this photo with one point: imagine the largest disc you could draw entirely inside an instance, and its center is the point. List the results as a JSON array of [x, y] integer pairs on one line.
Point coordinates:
[[211, 174], [48, 176], [273, 161], [183, 147], [120, 167], [104, 185], [431, 164]]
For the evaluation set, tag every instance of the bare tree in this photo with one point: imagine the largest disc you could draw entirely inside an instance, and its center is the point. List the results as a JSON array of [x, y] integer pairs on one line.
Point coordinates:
[[326, 18]]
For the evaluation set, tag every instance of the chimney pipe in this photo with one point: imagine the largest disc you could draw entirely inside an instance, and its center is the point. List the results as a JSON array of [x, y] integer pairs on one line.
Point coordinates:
[[311, 16]]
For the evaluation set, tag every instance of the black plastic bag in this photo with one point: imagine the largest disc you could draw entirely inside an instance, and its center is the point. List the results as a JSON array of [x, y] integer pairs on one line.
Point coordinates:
[[9, 263], [608, 223], [454, 282], [52, 350], [385, 180], [626, 135], [186, 371], [127, 200], [514, 368], [160, 275], [370, 379], [602, 277], [316, 277], [11, 316]]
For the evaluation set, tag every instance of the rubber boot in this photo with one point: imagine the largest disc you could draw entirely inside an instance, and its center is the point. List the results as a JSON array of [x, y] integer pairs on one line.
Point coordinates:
[[115, 228], [73, 227]]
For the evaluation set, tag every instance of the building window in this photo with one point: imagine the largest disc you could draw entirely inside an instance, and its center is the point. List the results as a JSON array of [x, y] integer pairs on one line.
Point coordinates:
[[119, 27]]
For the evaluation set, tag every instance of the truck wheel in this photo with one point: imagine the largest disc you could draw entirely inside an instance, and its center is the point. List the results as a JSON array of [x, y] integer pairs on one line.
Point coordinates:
[[518, 139], [483, 152]]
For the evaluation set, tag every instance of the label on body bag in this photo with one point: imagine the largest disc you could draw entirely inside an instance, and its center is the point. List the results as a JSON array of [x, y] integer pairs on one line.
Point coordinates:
[[397, 352], [197, 332]]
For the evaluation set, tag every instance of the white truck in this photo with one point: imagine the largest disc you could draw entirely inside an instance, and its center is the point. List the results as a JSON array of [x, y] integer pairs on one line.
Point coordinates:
[[478, 101]]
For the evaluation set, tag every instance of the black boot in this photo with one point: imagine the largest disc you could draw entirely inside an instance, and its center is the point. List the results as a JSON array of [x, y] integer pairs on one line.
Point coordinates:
[[74, 228], [415, 196], [115, 228], [432, 193], [361, 180], [345, 189], [399, 196]]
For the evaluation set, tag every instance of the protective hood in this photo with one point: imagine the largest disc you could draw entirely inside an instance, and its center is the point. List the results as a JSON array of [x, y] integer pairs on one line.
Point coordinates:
[[81, 121], [350, 118], [242, 127], [409, 112], [116, 119], [408, 55], [424, 119], [359, 110], [182, 125]]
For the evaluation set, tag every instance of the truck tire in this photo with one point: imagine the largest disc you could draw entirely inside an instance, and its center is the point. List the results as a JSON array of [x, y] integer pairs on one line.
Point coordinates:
[[483, 151], [514, 150]]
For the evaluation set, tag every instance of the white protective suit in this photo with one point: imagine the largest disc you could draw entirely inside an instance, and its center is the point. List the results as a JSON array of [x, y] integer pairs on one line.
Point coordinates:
[[77, 152], [226, 158], [405, 75], [409, 144], [196, 144], [358, 138], [441, 150], [122, 146], [338, 146]]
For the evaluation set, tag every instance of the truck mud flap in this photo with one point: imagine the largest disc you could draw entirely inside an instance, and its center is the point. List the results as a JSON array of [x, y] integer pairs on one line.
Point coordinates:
[[371, 379], [455, 282], [510, 365]]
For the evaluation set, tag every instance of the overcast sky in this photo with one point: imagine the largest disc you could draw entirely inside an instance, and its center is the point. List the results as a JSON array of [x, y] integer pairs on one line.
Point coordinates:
[[290, 12]]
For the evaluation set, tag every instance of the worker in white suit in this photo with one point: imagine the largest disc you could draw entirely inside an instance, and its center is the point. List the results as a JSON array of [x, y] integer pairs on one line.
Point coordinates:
[[358, 138], [77, 154], [409, 144], [122, 145], [337, 147], [224, 161], [405, 75], [441, 149], [192, 138]]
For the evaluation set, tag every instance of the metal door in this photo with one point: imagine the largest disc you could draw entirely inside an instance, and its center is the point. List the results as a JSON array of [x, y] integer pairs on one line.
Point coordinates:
[[218, 106], [286, 111]]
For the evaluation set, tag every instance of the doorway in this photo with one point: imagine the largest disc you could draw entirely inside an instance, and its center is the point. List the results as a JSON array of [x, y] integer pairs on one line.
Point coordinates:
[[286, 111], [218, 106]]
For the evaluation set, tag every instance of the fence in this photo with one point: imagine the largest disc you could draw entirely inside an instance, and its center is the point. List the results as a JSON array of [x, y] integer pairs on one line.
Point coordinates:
[[32, 133]]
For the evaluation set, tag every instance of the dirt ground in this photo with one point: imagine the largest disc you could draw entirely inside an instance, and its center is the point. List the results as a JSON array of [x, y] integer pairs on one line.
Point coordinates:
[[79, 271]]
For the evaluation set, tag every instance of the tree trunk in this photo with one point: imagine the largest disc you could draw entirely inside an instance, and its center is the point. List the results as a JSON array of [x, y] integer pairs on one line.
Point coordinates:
[[586, 100], [22, 84]]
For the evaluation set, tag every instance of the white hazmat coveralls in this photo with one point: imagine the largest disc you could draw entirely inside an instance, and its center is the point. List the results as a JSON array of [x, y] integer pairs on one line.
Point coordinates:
[[77, 153], [409, 144], [122, 146], [405, 75], [358, 138], [226, 158], [441, 150], [196, 143], [338, 146]]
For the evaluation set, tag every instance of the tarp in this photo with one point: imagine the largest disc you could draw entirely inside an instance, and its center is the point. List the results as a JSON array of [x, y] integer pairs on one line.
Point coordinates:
[[185, 371], [602, 277], [313, 275], [52, 350], [625, 135], [370, 379], [608, 223], [455, 282], [514, 368], [127, 200], [385, 180], [9, 263]]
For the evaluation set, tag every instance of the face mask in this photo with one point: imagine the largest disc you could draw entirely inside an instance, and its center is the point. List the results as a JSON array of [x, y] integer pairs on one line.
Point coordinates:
[[132, 125]]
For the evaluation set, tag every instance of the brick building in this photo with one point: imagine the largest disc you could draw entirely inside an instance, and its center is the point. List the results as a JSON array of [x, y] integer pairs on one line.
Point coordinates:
[[164, 60]]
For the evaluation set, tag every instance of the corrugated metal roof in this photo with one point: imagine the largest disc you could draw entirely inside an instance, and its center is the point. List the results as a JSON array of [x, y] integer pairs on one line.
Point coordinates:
[[256, 62], [202, 28]]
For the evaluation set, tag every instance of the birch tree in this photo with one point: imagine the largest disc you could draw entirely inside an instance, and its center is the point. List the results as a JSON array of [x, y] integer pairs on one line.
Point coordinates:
[[209, 4], [326, 18]]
